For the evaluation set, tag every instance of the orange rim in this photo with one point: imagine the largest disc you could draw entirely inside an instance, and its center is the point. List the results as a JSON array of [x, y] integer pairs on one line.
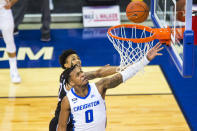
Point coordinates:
[[163, 34], [136, 40]]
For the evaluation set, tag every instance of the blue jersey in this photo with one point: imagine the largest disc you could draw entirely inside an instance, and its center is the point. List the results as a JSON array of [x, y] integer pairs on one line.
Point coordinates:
[[89, 113]]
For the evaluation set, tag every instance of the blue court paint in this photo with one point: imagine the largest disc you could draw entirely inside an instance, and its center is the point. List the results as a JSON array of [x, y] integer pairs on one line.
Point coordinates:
[[184, 89], [185, 69], [95, 49]]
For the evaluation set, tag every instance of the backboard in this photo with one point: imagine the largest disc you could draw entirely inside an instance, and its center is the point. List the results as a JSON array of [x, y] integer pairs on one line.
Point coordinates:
[[176, 14]]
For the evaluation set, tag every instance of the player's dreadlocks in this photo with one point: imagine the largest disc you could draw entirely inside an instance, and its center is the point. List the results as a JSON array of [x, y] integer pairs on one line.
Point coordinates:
[[65, 76]]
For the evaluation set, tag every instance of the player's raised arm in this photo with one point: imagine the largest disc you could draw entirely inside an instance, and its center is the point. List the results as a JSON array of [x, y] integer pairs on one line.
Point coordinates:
[[129, 72], [64, 114], [101, 72]]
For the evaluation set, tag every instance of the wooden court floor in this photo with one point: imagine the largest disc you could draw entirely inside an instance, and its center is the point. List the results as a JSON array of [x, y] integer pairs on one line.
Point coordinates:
[[145, 102]]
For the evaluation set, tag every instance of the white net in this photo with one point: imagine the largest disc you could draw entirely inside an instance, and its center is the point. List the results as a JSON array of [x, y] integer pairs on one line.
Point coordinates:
[[129, 51]]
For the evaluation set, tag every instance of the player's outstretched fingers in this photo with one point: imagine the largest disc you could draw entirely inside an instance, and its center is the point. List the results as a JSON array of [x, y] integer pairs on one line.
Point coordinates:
[[158, 45]]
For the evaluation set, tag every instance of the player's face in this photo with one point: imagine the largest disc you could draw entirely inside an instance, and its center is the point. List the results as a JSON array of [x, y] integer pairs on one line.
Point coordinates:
[[71, 60], [77, 77]]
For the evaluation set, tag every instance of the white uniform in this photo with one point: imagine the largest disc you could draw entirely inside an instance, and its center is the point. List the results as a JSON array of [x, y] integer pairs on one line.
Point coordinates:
[[89, 113], [7, 27], [2, 3]]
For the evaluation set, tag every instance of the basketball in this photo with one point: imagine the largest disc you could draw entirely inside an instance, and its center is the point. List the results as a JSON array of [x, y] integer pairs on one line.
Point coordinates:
[[137, 11]]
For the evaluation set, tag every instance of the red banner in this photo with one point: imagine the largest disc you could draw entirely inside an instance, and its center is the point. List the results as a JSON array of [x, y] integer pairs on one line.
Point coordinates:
[[194, 28]]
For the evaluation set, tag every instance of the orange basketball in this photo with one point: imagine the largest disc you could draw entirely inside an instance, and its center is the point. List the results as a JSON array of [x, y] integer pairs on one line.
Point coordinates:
[[137, 11]]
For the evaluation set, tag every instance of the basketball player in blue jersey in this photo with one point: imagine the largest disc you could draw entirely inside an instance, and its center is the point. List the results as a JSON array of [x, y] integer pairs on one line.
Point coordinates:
[[85, 101], [7, 29], [67, 59]]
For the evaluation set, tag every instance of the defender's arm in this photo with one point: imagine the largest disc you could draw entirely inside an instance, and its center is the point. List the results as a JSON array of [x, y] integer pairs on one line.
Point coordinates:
[[102, 72]]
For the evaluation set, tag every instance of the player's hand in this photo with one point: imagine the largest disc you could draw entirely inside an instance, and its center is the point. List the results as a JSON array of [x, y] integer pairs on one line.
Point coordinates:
[[8, 4], [154, 51]]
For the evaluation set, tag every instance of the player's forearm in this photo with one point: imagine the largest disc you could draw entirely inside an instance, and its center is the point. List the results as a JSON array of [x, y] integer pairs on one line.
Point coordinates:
[[111, 82], [115, 81], [131, 70], [128, 73]]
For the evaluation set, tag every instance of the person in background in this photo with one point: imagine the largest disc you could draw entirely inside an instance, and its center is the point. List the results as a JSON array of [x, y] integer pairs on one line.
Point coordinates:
[[19, 12], [7, 27]]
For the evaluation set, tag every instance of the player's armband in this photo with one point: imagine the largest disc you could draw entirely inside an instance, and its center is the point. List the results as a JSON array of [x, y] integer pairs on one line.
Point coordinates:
[[131, 70]]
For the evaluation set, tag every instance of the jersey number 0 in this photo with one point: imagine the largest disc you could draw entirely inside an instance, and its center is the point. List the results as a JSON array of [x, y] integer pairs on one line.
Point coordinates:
[[89, 116]]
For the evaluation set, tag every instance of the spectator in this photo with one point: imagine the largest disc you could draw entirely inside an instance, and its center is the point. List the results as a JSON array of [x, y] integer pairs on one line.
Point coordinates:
[[19, 13]]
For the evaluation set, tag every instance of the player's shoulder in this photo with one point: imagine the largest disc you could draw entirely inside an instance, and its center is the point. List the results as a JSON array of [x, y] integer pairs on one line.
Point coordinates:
[[65, 99], [62, 89], [92, 84], [94, 87]]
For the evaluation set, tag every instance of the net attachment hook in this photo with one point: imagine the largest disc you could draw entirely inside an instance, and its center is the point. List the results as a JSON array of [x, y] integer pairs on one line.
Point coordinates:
[[163, 35]]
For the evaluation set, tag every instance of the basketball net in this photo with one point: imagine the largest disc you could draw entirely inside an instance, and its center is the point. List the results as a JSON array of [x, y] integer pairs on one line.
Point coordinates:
[[124, 41]]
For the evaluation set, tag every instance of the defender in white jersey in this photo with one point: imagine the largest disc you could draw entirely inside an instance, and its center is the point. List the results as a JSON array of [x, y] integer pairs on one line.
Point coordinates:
[[85, 101], [7, 29]]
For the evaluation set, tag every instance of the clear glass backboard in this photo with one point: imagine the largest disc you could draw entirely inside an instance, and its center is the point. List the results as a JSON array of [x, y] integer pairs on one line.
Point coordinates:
[[176, 14]]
